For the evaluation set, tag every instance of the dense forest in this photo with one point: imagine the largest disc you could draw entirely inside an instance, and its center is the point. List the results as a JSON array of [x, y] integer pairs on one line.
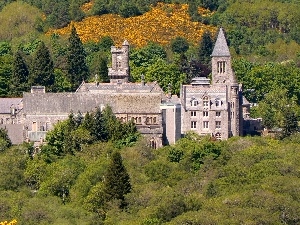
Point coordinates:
[[250, 180]]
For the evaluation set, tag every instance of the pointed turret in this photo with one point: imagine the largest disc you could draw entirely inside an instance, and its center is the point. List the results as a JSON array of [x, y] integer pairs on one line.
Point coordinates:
[[221, 48], [222, 73]]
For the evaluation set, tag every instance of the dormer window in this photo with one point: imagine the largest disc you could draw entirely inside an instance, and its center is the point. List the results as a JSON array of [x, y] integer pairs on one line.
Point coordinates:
[[218, 102], [221, 66], [194, 102]]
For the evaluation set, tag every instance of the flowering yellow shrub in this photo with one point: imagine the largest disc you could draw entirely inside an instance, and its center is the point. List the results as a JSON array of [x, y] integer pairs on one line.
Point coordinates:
[[14, 222], [161, 24], [87, 6]]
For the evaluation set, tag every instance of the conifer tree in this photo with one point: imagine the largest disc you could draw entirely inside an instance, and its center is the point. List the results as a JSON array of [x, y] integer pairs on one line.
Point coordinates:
[[42, 69], [77, 67], [98, 129], [103, 70], [205, 48], [20, 74], [117, 180]]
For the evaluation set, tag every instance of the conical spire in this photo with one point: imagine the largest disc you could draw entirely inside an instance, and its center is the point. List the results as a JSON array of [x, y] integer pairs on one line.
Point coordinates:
[[221, 47]]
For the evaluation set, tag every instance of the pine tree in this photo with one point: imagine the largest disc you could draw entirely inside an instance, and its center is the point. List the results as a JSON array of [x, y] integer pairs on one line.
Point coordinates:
[[117, 180], [20, 74], [205, 48], [290, 125], [77, 68], [42, 69], [103, 70], [98, 128]]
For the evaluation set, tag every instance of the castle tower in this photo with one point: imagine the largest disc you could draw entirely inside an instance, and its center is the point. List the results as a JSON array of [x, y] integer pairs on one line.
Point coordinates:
[[223, 75], [119, 71]]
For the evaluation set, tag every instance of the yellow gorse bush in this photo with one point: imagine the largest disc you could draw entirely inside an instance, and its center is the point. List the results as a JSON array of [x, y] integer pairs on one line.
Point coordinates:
[[87, 6], [14, 222], [161, 24]]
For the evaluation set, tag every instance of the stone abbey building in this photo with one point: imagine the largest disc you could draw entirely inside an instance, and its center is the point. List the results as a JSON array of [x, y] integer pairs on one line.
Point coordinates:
[[215, 107]]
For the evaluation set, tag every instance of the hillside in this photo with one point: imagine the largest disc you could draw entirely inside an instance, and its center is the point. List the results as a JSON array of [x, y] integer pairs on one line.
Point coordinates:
[[161, 24]]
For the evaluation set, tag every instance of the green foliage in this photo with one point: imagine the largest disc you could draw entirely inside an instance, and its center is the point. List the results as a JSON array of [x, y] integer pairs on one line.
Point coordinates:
[[179, 45], [13, 163], [175, 155], [278, 111], [42, 68], [18, 21], [165, 74], [251, 179], [60, 176], [77, 68], [5, 142], [259, 79], [254, 24], [205, 48], [117, 180], [5, 72], [72, 135], [20, 75]]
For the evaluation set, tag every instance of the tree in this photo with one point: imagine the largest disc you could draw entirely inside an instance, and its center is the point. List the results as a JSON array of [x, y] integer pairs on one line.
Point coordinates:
[[103, 71], [19, 77], [75, 11], [42, 68], [290, 123], [77, 68], [279, 111], [57, 12], [205, 48], [117, 180], [179, 45], [5, 73], [5, 142]]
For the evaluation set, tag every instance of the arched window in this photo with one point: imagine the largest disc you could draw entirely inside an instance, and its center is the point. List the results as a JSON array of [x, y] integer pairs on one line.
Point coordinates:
[[153, 143]]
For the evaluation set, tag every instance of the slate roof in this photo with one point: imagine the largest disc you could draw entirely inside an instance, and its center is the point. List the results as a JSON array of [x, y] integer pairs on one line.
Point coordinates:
[[221, 47], [64, 103], [6, 103], [14, 132], [132, 87]]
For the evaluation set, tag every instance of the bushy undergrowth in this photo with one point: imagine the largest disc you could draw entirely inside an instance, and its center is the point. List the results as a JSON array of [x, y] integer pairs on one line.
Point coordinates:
[[195, 181]]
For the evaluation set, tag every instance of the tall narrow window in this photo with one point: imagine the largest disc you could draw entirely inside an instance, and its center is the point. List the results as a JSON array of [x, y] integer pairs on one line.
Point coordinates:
[[153, 143], [218, 124], [218, 113], [205, 113], [34, 126], [193, 124], [221, 66], [193, 113], [205, 124]]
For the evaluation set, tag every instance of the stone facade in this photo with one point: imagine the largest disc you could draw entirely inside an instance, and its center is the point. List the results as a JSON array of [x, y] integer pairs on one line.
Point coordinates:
[[215, 108]]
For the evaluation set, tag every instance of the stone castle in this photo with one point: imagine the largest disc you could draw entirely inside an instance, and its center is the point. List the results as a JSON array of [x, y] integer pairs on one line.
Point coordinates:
[[216, 108]]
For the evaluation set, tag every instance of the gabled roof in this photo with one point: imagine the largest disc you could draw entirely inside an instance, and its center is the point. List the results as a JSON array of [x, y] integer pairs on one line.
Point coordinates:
[[221, 47], [6, 103]]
